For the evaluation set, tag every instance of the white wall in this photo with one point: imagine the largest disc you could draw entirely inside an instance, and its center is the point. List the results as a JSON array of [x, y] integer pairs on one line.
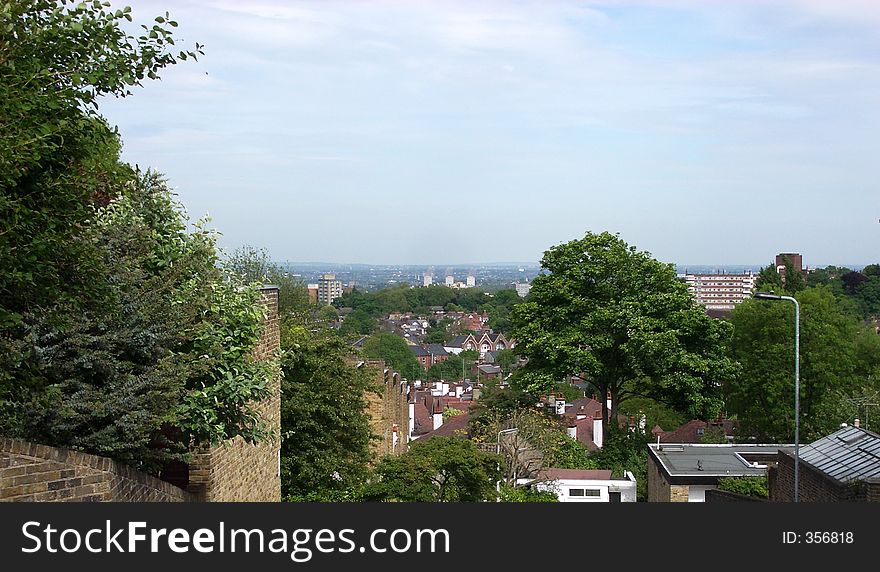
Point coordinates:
[[626, 487], [697, 493]]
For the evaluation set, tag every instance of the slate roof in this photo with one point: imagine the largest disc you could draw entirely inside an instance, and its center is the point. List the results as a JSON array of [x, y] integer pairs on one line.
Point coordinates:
[[452, 426], [436, 349], [420, 351], [850, 454]]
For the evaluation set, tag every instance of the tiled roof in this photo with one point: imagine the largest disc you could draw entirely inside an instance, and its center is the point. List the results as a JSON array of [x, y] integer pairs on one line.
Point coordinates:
[[577, 474], [849, 454], [457, 425]]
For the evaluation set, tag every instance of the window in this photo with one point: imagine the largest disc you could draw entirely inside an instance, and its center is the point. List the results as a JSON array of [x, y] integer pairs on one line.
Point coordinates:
[[584, 492]]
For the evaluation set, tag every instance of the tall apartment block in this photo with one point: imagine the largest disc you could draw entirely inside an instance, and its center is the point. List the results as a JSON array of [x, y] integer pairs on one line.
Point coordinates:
[[720, 291], [329, 289]]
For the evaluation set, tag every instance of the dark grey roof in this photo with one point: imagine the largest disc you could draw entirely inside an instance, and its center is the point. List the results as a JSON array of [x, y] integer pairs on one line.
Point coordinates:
[[436, 349], [489, 369], [848, 455], [456, 342], [419, 351], [691, 462]]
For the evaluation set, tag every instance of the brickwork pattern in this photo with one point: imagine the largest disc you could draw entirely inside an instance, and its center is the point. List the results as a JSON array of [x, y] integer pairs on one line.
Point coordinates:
[[658, 488], [387, 408], [31, 472], [238, 471], [816, 486]]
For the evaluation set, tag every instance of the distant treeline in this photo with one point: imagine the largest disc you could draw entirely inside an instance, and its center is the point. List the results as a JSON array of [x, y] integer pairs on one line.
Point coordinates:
[[404, 298]]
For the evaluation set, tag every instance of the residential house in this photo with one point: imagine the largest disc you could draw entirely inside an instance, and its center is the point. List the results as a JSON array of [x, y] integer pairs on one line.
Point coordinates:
[[842, 467], [694, 431], [683, 472], [578, 485]]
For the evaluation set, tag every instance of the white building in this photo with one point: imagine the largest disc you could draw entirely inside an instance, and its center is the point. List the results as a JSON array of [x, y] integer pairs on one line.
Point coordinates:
[[523, 289], [427, 280], [471, 281], [720, 291], [577, 485], [329, 289]]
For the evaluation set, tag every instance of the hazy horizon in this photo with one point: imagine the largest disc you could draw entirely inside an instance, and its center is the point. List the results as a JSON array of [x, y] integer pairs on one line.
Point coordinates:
[[493, 130]]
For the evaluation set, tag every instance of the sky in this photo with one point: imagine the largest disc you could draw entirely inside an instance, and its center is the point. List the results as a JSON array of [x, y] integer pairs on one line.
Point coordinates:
[[415, 132]]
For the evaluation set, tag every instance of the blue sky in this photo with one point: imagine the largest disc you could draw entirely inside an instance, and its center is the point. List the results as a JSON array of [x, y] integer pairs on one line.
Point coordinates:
[[432, 132]]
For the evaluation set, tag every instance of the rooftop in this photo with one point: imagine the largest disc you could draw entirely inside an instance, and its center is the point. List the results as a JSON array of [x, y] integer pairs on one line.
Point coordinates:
[[849, 454], [693, 462]]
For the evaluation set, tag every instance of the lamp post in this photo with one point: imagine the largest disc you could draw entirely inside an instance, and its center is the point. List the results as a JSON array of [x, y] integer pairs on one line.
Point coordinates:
[[797, 381]]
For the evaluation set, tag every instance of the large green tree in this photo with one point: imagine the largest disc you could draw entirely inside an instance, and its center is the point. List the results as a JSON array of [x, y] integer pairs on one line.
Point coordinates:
[[624, 322], [325, 426], [394, 350], [839, 355], [439, 469]]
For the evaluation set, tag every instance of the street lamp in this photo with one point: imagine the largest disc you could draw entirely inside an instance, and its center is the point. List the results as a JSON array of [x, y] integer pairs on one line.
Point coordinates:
[[797, 381]]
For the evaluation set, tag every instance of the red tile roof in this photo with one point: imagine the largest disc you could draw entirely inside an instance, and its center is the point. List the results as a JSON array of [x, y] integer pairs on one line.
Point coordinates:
[[579, 474]]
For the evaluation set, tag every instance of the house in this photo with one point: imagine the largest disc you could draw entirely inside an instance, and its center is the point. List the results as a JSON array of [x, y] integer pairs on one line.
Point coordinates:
[[483, 342], [683, 472], [694, 431], [487, 371], [578, 485], [429, 355], [842, 467]]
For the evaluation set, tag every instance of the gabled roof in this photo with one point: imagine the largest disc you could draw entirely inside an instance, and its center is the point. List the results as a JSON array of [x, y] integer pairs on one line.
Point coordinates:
[[690, 431], [436, 349], [453, 426], [456, 342], [420, 351], [850, 454]]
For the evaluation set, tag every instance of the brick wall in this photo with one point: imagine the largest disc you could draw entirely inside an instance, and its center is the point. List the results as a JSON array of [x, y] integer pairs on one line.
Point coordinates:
[[238, 471], [31, 472], [235, 471], [816, 486], [658, 488], [387, 408]]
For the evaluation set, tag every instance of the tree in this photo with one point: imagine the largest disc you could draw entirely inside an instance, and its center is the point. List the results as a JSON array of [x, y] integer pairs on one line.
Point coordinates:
[[768, 280], [394, 350], [439, 469], [838, 354], [624, 322], [162, 360], [58, 157], [506, 359], [872, 270], [326, 434], [358, 322]]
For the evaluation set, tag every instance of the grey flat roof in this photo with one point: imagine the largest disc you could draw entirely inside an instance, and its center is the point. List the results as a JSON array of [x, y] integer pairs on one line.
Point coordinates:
[[848, 455], [712, 461]]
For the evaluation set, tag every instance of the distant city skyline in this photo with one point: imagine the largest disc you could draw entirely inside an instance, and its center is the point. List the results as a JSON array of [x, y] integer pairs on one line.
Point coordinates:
[[492, 130]]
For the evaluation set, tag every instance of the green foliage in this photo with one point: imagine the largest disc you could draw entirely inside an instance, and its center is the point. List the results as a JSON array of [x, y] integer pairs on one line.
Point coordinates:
[[506, 359], [655, 413], [403, 298], [394, 350], [58, 157], [749, 486], [839, 355], [439, 469], [623, 321], [625, 450], [161, 359], [769, 280], [522, 494], [358, 322], [325, 446], [455, 367]]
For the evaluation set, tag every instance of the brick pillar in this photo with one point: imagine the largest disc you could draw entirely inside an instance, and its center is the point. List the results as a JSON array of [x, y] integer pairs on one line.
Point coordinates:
[[237, 471]]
